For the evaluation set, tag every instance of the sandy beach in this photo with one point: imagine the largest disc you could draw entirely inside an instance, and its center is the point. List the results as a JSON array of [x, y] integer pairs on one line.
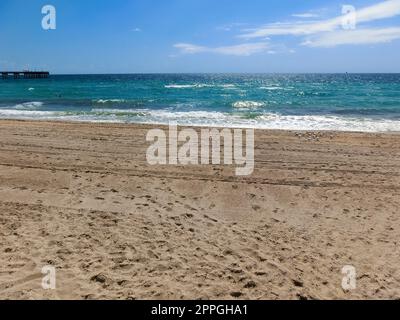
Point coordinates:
[[82, 198]]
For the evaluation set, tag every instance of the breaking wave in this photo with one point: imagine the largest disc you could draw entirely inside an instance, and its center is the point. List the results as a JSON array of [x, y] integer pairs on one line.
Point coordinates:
[[262, 120], [29, 105], [248, 104]]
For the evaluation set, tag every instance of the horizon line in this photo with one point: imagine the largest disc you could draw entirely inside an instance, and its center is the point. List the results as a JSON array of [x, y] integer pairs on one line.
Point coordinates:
[[215, 73]]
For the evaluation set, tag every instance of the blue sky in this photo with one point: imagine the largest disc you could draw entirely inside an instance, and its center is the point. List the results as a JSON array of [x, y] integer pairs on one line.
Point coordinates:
[[135, 36]]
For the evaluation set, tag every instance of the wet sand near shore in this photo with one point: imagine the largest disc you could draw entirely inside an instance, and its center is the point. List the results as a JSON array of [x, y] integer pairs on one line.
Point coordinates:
[[82, 198]]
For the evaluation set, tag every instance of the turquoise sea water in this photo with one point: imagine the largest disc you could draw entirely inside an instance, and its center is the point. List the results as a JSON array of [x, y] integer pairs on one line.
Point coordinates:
[[356, 102]]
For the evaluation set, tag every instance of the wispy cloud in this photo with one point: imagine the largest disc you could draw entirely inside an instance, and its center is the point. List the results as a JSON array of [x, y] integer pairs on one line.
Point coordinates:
[[353, 37], [245, 49], [382, 10], [312, 31], [230, 26], [305, 15], [136, 30]]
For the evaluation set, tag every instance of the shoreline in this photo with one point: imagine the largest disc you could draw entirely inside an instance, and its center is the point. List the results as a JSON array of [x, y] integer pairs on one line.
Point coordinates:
[[163, 125], [82, 198]]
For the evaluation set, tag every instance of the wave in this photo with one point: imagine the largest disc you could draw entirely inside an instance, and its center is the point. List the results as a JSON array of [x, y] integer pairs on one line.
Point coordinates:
[[248, 104], [271, 88], [25, 113], [276, 88], [327, 123], [228, 86], [199, 85], [214, 118], [28, 105], [106, 101], [185, 86], [163, 115]]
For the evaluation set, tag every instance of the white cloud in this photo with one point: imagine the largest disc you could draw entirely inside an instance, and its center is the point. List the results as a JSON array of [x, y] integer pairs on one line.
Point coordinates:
[[245, 49], [305, 15], [353, 37], [137, 30], [316, 33], [230, 26], [190, 48], [382, 10]]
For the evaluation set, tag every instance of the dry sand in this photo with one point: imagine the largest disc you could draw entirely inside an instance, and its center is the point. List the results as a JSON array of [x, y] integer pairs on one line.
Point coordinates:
[[82, 198]]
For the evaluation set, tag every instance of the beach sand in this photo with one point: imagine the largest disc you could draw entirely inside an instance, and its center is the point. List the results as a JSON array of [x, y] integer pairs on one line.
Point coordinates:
[[82, 198]]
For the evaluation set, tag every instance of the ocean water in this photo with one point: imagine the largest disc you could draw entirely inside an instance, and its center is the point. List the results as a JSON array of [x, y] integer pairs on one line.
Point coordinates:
[[352, 102]]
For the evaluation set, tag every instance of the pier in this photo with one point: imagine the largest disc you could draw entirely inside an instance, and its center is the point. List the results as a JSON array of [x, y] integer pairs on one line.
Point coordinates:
[[25, 74]]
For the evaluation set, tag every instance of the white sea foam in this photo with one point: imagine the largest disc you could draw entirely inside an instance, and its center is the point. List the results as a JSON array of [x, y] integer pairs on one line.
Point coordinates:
[[228, 86], [217, 119], [271, 88], [199, 85], [248, 104], [104, 101], [24, 113], [326, 123], [186, 86], [164, 116], [276, 88], [28, 105]]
